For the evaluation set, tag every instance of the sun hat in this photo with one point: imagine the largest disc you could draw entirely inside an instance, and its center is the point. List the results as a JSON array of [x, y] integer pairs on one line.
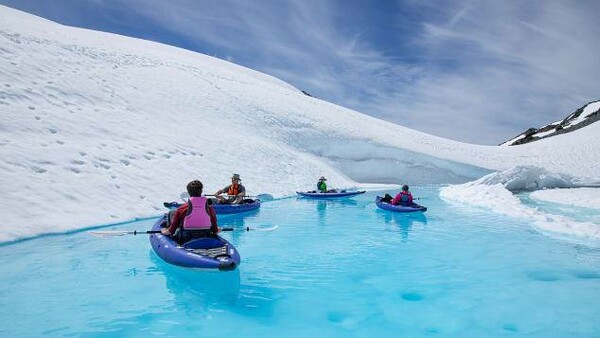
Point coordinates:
[[236, 177], [322, 178]]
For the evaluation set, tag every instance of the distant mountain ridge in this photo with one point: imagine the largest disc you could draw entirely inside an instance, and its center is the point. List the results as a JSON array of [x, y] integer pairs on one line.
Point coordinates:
[[582, 117]]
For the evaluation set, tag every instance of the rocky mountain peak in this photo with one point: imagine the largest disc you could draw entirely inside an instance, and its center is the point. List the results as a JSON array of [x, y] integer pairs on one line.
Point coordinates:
[[580, 118]]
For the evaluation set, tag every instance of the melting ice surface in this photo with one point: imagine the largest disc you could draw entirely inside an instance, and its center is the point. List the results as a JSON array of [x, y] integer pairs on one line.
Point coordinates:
[[334, 268], [495, 191]]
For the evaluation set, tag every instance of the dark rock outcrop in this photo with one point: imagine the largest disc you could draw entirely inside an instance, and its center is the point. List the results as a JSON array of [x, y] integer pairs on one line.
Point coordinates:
[[582, 117]]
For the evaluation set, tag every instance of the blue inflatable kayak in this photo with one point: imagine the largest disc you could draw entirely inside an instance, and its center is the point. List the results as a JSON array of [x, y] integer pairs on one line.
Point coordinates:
[[399, 208], [342, 193], [213, 253], [223, 209]]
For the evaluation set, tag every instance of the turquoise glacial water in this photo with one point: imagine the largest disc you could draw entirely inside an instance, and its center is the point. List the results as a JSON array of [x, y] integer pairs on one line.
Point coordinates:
[[336, 268]]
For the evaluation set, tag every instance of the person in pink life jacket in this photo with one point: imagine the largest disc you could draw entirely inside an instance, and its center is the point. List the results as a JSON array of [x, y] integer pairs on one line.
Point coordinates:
[[404, 197], [194, 219]]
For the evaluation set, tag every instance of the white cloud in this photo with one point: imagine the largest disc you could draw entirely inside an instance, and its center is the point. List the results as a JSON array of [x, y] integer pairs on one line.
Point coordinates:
[[494, 67]]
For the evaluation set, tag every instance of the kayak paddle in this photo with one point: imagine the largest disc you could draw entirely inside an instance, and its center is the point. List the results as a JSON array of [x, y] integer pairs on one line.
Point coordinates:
[[149, 232], [262, 197]]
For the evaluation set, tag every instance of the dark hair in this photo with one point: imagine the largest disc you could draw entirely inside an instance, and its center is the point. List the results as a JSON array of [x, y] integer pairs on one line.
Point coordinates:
[[405, 187], [194, 188]]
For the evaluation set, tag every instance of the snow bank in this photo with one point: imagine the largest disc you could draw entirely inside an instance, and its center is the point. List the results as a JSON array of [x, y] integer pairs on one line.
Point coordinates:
[[493, 192], [580, 197], [533, 178]]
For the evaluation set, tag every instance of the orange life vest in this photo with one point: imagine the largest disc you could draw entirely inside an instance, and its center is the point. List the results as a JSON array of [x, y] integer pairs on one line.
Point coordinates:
[[233, 190]]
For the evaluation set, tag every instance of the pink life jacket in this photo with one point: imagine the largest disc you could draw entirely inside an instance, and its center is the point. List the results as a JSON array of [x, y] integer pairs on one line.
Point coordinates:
[[197, 218], [403, 198], [406, 198]]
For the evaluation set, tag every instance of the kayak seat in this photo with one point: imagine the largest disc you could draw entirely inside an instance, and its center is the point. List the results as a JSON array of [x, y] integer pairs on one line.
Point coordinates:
[[206, 246], [204, 243], [212, 252]]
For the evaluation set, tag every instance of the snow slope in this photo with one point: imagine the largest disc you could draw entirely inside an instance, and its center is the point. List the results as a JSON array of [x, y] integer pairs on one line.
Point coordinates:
[[99, 128]]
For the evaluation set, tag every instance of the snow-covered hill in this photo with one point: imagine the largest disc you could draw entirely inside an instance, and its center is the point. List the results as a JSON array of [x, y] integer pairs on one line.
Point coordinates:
[[99, 128], [580, 118]]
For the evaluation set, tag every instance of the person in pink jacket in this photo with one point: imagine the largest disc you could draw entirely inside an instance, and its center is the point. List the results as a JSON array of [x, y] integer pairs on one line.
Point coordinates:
[[194, 219], [404, 197]]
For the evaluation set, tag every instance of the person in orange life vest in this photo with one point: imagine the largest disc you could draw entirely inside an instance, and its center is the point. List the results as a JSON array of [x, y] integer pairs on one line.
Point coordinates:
[[235, 192], [196, 218], [404, 197]]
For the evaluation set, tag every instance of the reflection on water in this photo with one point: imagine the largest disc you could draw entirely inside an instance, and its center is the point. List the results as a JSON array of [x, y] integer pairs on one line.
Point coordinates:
[[197, 291], [332, 202], [192, 287], [404, 222], [236, 221], [323, 204]]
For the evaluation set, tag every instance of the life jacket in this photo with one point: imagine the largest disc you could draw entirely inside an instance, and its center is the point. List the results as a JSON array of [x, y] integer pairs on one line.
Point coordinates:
[[233, 190], [405, 198], [322, 186], [197, 218]]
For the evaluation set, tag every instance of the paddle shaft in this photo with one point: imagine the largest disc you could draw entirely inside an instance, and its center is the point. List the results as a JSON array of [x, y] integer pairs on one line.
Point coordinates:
[[149, 232], [229, 196], [135, 232], [186, 195], [231, 229]]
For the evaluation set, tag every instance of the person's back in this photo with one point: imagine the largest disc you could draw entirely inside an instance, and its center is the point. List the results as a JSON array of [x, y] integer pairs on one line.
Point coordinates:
[[196, 218], [404, 197]]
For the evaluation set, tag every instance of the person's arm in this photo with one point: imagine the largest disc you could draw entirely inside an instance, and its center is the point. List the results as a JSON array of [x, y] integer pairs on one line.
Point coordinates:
[[214, 227], [242, 191], [396, 199], [177, 219], [224, 190], [410, 198]]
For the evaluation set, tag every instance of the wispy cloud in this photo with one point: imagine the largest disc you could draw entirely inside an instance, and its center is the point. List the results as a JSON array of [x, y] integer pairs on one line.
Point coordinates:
[[515, 65], [475, 71]]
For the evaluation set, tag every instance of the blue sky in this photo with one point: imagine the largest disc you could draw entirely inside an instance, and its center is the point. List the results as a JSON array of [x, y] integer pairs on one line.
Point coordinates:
[[473, 71]]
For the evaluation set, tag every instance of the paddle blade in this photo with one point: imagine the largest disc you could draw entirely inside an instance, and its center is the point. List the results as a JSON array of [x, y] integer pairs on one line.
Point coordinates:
[[273, 228], [265, 197], [107, 233]]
